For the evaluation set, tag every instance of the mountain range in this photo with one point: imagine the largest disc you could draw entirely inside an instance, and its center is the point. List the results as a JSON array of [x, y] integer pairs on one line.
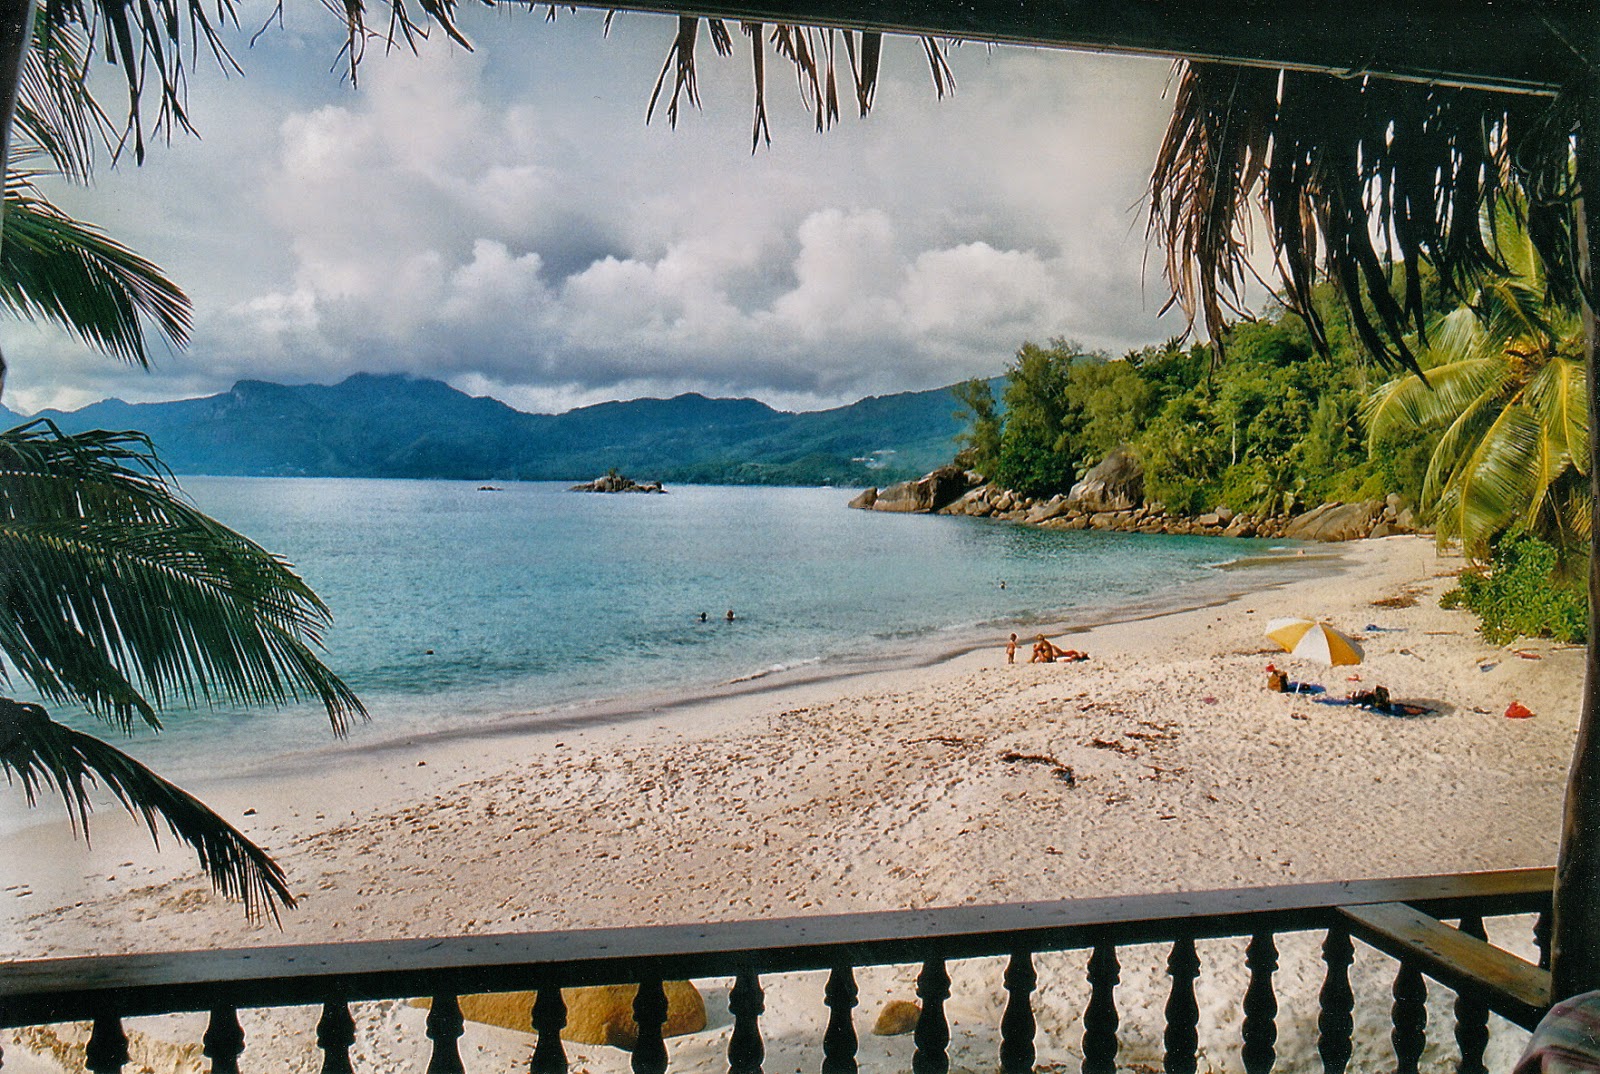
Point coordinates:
[[371, 425]]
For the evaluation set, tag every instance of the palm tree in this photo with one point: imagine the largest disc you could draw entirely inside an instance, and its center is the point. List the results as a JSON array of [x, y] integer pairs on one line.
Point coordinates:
[[1507, 388], [116, 595]]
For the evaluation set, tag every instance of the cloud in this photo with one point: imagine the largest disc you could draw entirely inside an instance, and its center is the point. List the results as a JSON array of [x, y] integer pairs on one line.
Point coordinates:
[[505, 220]]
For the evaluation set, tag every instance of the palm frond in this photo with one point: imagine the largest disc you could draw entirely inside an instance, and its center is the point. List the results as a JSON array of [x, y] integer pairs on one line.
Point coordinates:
[[41, 754], [759, 130], [1408, 402], [1494, 482], [1558, 394], [680, 61], [118, 595], [57, 117], [71, 274], [1473, 421], [864, 68]]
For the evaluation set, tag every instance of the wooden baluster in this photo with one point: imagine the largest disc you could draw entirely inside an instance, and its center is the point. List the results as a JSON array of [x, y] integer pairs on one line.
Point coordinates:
[[1541, 938], [1260, 1005], [1472, 1016], [1335, 1022], [549, 1016], [336, 1032], [1017, 1025], [444, 1029], [223, 1042], [1182, 1039], [746, 1003], [1100, 1018], [107, 1051], [650, 1012], [1410, 1015], [933, 1032], [839, 1042]]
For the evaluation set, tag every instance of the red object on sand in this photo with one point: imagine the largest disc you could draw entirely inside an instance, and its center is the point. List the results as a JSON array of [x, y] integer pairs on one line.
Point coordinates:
[[1517, 711]]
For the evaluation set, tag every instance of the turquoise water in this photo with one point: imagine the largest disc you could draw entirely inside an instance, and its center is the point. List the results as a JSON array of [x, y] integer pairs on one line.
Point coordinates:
[[454, 606]]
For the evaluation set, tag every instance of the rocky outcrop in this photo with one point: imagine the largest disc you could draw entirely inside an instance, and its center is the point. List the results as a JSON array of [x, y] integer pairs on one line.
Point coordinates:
[[615, 482], [865, 501], [1337, 522], [1110, 497], [1115, 483], [927, 494]]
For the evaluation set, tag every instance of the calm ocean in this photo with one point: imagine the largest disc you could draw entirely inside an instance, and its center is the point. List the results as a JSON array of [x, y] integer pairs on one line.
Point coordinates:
[[454, 606]]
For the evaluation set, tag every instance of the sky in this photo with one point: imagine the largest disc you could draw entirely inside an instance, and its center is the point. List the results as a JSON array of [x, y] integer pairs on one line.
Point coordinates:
[[505, 220]]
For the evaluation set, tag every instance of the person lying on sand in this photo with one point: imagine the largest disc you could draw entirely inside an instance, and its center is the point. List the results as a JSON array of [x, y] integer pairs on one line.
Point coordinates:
[[1046, 652], [1378, 700]]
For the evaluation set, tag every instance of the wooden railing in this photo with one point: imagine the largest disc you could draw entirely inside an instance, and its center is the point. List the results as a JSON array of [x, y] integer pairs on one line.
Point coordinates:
[[1402, 917]]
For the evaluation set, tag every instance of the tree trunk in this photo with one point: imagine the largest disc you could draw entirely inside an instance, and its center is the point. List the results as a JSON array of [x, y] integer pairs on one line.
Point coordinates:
[[16, 33], [1575, 936]]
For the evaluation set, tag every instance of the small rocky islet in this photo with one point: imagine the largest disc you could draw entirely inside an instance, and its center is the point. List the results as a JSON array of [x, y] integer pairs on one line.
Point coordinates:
[[1111, 497], [615, 482]]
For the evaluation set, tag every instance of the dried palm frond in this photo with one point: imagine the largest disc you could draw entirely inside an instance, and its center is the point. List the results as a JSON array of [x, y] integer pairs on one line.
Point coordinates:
[[864, 71], [1352, 177], [759, 131], [680, 60], [811, 51]]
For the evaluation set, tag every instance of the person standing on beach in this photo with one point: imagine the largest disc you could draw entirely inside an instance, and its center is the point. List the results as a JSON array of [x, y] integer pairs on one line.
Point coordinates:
[[1011, 650]]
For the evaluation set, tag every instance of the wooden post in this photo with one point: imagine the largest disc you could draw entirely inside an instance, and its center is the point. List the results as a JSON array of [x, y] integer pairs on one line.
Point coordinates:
[[1575, 932]]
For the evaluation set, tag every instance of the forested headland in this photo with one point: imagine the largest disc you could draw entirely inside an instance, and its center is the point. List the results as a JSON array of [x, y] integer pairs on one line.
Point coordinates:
[[1489, 451]]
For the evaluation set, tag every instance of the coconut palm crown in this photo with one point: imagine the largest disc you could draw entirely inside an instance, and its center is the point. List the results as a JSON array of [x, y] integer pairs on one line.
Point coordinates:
[[1507, 390]]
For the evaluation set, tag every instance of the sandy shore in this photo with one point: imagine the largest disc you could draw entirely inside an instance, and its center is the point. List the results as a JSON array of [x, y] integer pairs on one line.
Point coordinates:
[[894, 790]]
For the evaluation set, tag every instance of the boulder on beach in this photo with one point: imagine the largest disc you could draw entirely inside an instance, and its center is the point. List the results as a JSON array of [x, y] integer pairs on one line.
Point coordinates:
[[865, 501], [899, 1016], [595, 1015], [1115, 483], [1336, 522]]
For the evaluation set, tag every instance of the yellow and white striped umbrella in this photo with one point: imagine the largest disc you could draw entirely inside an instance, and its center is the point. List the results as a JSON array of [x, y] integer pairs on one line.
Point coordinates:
[[1313, 640]]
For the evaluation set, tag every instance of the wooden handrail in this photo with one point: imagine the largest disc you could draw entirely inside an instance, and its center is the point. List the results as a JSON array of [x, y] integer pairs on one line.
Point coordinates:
[[33, 992], [1512, 988]]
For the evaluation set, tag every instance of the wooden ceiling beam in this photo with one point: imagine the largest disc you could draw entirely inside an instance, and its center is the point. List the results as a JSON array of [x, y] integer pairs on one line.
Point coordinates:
[[1520, 46]]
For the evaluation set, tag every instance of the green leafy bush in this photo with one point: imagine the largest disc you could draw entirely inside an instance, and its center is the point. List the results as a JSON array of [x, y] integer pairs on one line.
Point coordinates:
[[1523, 592]]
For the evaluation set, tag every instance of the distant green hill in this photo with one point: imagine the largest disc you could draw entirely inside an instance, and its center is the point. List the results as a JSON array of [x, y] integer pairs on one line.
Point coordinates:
[[394, 426]]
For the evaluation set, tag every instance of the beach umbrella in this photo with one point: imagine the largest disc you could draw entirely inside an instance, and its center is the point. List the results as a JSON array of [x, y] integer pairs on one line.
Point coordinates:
[[1310, 639]]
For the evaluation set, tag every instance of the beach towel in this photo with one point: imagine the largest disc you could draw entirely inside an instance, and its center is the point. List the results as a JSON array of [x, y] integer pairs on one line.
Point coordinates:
[[1567, 1040]]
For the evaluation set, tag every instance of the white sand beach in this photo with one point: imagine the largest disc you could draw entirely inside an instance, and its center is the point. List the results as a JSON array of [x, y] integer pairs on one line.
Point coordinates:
[[894, 790]]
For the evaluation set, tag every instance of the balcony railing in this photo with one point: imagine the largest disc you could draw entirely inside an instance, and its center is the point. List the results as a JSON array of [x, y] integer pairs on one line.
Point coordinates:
[[1404, 918]]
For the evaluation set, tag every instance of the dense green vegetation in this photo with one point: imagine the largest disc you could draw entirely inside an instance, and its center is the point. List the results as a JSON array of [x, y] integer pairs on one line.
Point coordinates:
[[1493, 449], [1524, 591], [1275, 427]]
